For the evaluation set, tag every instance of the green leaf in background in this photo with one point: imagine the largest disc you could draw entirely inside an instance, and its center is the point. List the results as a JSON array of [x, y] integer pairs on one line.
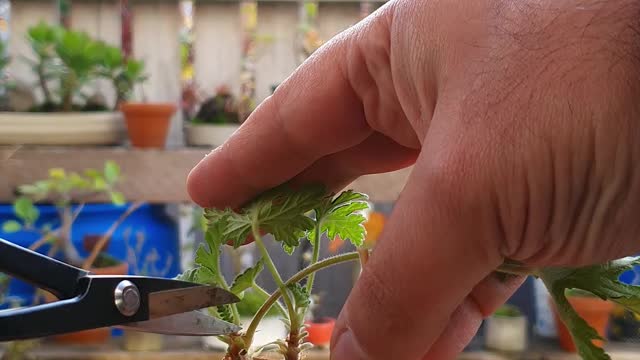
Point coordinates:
[[246, 279], [11, 226], [57, 173], [25, 210], [117, 198], [111, 172]]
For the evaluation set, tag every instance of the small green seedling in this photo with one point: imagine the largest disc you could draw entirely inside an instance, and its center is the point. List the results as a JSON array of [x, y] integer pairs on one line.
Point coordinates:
[[307, 213], [290, 216]]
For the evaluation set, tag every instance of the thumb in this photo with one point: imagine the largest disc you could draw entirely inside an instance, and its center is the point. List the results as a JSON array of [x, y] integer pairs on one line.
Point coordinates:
[[440, 242]]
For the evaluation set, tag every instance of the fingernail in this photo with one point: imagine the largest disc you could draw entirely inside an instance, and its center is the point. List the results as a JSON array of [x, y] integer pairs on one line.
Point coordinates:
[[347, 348]]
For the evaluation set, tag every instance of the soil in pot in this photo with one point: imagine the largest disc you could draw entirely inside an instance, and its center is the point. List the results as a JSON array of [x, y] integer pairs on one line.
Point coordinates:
[[320, 331], [148, 123], [595, 311]]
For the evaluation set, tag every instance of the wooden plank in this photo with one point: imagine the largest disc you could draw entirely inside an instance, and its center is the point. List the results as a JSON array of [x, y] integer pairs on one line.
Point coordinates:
[[155, 176]]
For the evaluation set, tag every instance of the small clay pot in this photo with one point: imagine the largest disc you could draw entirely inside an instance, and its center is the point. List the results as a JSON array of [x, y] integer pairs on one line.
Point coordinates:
[[595, 311], [320, 331], [148, 123]]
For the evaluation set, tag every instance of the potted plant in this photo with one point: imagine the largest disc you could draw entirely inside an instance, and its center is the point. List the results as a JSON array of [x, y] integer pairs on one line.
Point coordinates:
[[216, 119], [68, 65], [594, 310], [14, 350], [136, 340], [506, 330], [68, 192]]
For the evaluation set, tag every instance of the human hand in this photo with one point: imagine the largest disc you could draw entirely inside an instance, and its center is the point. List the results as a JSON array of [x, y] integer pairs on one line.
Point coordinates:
[[521, 121]]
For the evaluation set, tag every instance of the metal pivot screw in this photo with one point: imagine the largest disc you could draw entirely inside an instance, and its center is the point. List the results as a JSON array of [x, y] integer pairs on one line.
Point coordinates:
[[127, 298]]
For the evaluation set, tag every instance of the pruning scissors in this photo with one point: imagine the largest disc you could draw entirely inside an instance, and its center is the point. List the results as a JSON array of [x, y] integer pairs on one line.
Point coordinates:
[[86, 301]]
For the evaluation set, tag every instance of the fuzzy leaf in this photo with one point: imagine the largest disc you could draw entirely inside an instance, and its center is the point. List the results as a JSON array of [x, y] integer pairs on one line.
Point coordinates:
[[225, 313], [189, 275], [341, 217], [282, 212], [11, 226], [246, 279], [300, 295], [600, 280]]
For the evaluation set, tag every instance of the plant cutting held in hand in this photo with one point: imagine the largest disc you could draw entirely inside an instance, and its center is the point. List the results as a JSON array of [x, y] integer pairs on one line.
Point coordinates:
[[290, 216], [306, 214]]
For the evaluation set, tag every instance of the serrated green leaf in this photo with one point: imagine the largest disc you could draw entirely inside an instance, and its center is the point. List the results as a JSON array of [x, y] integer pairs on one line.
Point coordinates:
[[300, 295], [111, 172], [25, 210], [206, 259], [282, 212], [600, 280], [288, 249], [189, 275], [246, 279], [206, 276], [342, 217], [225, 313], [11, 226]]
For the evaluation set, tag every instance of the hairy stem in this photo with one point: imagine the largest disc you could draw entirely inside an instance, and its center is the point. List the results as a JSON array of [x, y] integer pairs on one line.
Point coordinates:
[[316, 254], [509, 267], [328, 262], [274, 272], [234, 308]]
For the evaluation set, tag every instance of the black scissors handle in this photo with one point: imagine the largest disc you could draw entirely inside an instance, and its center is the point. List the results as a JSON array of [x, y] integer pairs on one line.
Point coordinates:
[[60, 279]]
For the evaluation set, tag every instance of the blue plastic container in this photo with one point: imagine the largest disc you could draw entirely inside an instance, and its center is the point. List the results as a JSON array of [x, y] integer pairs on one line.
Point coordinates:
[[160, 232]]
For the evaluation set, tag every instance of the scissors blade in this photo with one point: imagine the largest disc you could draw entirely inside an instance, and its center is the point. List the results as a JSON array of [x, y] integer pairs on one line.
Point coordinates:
[[176, 301], [194, 323]]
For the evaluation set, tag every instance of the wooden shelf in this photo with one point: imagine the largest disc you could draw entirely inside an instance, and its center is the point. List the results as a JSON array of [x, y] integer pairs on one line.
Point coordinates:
[[155, 176]]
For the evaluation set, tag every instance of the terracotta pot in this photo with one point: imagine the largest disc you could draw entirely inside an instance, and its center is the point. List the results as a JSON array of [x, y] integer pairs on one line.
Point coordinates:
[[595, 311], [148, 123], [320, 331], [94, 336]]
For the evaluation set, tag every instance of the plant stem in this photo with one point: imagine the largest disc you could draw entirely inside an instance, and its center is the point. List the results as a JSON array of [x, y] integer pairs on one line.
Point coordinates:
[[512, 268], [316, 254], [266, 294], [328, 262], [234, 308], [103, 240], [274, 271]]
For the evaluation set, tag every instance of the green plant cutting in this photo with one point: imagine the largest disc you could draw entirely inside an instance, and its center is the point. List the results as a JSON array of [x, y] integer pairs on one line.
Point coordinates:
[[291, 215]]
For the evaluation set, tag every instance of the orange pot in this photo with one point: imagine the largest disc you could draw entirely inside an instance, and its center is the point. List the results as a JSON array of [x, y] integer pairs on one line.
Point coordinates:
[[148, 123], [594, 311], [93, 336], [320, 331]]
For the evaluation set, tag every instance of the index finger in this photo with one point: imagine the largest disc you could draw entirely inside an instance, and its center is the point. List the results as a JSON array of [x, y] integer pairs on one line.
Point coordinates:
[[314, 113]]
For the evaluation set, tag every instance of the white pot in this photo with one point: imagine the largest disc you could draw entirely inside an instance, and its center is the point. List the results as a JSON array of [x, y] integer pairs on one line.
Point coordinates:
[[269, 330], [507, 334], [73, 128], [208, 135]]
